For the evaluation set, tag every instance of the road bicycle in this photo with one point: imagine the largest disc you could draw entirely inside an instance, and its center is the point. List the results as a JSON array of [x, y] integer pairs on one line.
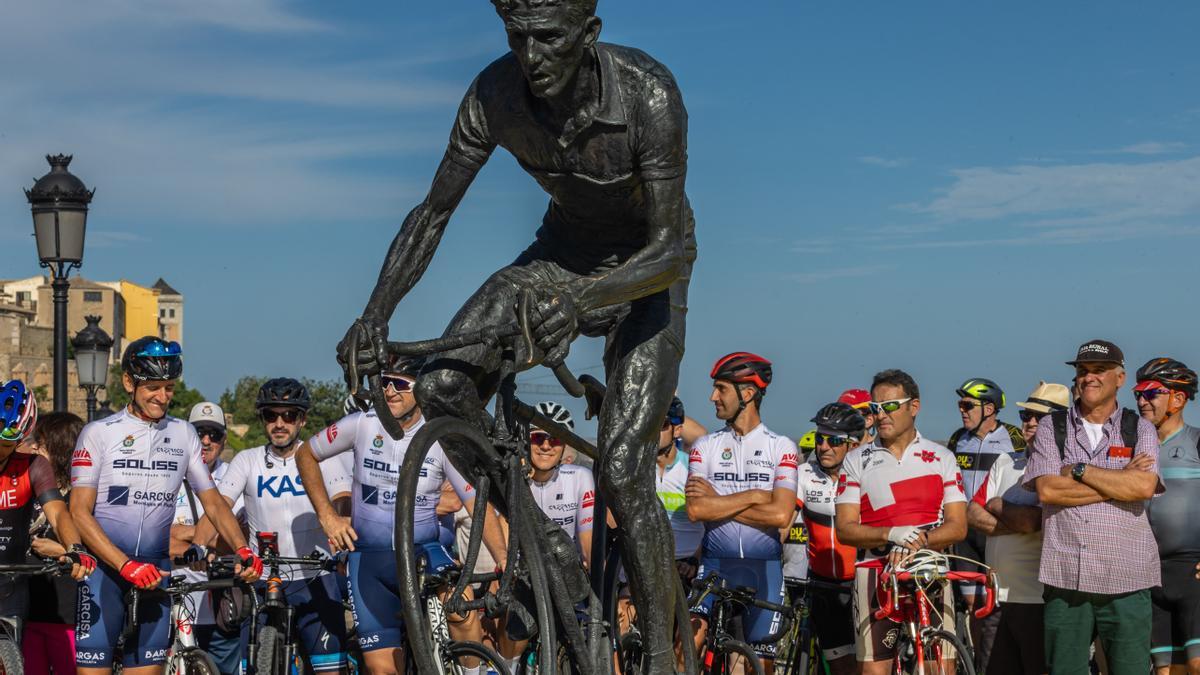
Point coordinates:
[[923, 646], [184, 656], [721, 648], [11, 627], [800, 650], [567, 606]]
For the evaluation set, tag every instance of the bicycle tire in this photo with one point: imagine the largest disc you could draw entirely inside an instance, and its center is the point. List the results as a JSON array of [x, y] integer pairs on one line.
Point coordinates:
[[488, 658], [10, 657], [270, 651], [731, 647], [198, 662], [962, 660]]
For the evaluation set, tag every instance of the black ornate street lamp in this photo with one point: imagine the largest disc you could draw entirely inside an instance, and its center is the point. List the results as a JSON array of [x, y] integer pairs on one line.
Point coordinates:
[[92, 349], [59, 202]]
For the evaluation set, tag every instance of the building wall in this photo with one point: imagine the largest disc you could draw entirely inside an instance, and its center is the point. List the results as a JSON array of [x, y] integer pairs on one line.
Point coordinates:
[[83, 298], [170, 317], [141, 310]]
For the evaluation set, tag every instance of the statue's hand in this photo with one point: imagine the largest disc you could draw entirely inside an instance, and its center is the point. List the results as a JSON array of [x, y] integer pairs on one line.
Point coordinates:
[[555, 324], [363, 351]]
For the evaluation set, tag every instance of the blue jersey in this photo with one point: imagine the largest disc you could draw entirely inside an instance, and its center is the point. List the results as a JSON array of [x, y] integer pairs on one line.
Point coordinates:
[[377, 461], [760, 460], [137, 468]]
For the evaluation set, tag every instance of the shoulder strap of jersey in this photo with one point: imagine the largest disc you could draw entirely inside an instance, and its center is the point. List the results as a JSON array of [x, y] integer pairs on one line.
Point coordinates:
[[1058, 419], [1129, 425]]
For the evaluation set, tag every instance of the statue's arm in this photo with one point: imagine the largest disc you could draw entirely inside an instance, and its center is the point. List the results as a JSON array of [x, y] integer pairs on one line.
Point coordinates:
[[414, 246]]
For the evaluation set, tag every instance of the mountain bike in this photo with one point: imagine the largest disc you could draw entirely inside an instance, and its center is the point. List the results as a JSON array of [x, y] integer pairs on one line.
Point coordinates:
[[904, 593], [540, 555], [184, 657], [11, 661], [721, 647], [271, 647]]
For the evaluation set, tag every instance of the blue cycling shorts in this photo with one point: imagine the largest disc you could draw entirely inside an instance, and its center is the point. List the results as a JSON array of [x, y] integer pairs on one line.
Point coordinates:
[[375, 597], [100, 618], [319, 619], [766, 577]]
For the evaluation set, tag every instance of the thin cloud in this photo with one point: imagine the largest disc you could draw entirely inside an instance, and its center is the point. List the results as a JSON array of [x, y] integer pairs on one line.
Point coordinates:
[[885, 162], [817, 276], [1151, 148]]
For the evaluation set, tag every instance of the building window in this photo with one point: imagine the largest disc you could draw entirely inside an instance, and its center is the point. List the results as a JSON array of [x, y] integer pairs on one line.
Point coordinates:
[[92, 296], [171, 313], [24, 298], [162, 313]]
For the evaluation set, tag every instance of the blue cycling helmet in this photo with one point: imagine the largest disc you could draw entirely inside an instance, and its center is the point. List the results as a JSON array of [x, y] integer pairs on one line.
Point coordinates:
[[18, 411]]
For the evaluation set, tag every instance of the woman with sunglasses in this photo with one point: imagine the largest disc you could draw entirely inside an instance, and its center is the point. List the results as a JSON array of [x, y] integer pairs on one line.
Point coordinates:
[[369, 533]]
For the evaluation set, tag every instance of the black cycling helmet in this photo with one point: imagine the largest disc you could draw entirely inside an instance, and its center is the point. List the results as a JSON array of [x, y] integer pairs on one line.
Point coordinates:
[[982, 389], [675, 411], [152, 358], [283, 392], [840, 419], [1171, 373], [407, 366]]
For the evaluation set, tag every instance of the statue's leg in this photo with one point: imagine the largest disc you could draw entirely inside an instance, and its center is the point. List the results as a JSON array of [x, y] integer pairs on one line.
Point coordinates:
[[643, 365]]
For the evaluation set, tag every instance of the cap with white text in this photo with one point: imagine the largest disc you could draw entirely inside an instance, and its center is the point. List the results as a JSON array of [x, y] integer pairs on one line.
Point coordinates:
[[1098, 351]]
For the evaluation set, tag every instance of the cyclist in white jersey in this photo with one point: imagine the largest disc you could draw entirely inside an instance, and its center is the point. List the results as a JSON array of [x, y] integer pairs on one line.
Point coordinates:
[[125, 474], [266, 480], [743, 488], [369, 533]]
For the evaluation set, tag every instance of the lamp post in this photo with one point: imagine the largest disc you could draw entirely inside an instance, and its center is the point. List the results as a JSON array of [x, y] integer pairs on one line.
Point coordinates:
[[92, 349], [59, 202]]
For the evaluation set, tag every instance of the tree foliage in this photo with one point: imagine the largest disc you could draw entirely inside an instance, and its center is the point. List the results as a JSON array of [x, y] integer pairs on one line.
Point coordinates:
[[327, 399]]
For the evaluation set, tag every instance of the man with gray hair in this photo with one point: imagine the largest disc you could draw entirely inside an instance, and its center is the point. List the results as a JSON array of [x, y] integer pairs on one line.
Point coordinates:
[[603, 129]]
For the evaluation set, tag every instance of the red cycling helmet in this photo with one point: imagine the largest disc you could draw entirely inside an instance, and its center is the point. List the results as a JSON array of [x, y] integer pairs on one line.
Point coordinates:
[[859, 399], [743, 368]]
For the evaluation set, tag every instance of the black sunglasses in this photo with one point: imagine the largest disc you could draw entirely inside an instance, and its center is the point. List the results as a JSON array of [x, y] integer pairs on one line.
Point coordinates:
[[1027, 415], [1150, 394], [968, 406], [289, 416], [215, 435]]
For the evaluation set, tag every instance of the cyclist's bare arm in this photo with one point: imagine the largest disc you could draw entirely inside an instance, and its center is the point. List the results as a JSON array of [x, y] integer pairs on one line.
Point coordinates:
[[1017, 518], [979, 518], [851, 532], [585, 548], [83, 501], [1065, 491], [953, 528], [1136, 482], [652, 269], [495, 533], [206, 533], [336, 526], [775, 513], [418, 239], [219, 511], [705, 505], [64, 525]]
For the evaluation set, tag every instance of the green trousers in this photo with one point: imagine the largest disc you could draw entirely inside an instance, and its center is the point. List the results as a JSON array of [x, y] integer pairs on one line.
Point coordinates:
[[1122, 623]]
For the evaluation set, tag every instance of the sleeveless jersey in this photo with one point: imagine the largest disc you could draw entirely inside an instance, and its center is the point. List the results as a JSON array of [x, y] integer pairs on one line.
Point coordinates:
[[760, 460], [275, 501], [377, 461], [670, 488], [1173, 513], [137, 468], [568, 498], [24, 479]]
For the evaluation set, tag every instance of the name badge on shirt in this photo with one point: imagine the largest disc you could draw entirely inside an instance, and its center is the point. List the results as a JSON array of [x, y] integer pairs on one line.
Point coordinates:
[[1120, 452]]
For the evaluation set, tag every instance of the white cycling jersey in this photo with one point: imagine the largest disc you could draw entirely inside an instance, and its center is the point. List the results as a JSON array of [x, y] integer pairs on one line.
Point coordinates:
[[377, 461], [568, 497], [276, 501], [137, 468], [670, 486], [760, 460]]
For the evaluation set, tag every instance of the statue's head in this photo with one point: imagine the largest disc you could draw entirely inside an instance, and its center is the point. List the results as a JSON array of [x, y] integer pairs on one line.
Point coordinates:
[[550, 39]]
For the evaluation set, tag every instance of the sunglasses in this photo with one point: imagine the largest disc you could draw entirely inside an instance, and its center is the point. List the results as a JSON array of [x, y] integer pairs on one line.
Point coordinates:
[[1030, 415], [888, 406], [160, 348], [832, 441], [968, 406], [397, 383], [214, 435], [289, 416], [540, 437], [1150, 394]]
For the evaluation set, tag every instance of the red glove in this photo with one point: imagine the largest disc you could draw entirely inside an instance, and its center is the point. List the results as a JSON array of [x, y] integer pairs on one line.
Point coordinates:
[[140, 574], [82, 558], [250, 561]]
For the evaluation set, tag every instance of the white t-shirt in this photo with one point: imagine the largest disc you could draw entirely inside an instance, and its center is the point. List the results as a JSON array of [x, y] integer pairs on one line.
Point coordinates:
[[1094, 432], [1015, 557], [276, 501], [201, 600]]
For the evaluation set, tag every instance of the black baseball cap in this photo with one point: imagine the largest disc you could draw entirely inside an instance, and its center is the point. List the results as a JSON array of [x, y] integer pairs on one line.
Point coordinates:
[[1098, 351]]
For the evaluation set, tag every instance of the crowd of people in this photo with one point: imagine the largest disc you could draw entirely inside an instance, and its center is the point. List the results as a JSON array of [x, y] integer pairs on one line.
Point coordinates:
[[1082, 511]]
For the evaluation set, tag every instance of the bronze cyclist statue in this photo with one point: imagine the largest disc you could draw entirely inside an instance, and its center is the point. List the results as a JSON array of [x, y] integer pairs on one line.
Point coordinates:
[[603, 129]]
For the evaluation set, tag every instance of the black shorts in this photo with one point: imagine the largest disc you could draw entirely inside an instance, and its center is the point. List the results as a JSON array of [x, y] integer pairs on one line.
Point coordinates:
[[1175, 637], [832, 617]]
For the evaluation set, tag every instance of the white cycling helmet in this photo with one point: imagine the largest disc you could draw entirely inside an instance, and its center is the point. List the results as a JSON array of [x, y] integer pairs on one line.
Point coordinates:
[[557, 413]]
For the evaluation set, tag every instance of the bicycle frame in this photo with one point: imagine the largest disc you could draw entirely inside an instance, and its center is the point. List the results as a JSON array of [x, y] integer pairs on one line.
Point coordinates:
[[275, 599]]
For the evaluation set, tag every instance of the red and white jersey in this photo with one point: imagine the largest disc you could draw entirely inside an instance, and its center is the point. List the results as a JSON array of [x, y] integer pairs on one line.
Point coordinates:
[[908, 491], [815, 494]]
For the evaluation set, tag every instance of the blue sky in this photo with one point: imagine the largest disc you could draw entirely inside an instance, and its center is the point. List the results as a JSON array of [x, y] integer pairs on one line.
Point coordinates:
[[956, 189]]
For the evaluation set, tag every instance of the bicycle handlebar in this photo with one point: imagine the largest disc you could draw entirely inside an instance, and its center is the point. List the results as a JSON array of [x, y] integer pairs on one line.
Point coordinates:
[[889, 605], [52, 566]]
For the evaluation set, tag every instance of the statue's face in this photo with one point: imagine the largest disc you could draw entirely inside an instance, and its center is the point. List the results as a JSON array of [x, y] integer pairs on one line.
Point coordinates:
[[550, 43]]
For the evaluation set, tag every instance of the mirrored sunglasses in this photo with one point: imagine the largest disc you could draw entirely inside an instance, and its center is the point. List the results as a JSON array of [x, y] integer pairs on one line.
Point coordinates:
[[888, 406], [1150, 394], [160, 348], [832, 441], [396, 383], [540, 437]]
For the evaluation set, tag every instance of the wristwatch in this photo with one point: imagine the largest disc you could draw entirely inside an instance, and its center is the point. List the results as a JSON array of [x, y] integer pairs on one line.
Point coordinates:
[[1077, 471]]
